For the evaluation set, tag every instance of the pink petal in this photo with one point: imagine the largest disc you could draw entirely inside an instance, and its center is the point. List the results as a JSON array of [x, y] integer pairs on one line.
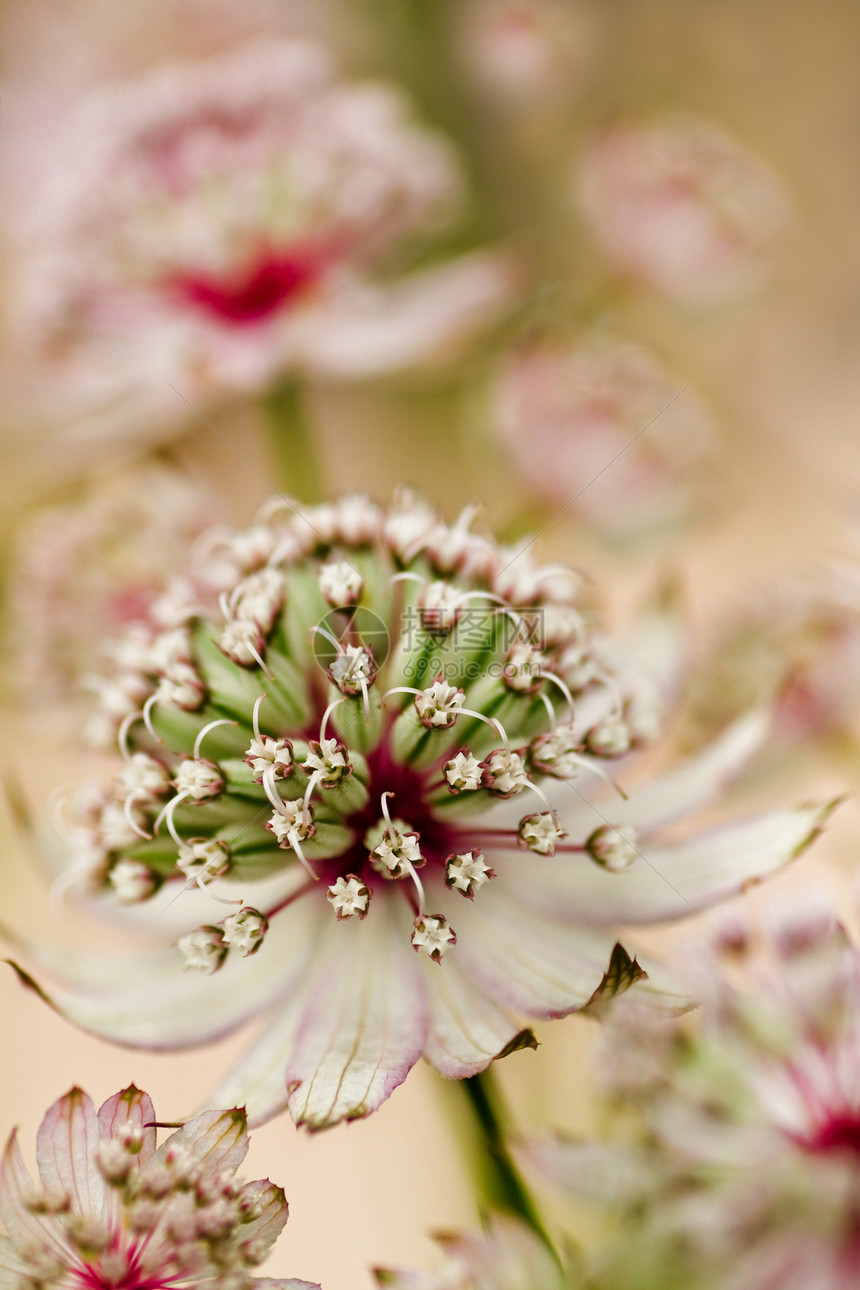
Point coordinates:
[[132, 1107], [216, 1139], [529, 961], [365, 1024], [272, 1219], [65, 1152], [25, 1228], [467, 1027], [259, 1079]]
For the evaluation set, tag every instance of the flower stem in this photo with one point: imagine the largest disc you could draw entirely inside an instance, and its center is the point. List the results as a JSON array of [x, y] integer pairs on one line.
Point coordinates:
[[292, 442], [501, 1186]]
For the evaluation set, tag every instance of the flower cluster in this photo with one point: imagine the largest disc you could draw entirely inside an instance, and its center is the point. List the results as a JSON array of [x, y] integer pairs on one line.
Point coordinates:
[[112, 1210], [569, 412], [220, 221], [384, 748], [679, 204], [747, 1167]]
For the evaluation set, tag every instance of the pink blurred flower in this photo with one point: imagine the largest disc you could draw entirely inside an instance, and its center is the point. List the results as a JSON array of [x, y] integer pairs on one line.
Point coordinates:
[[111, 1210], [747, 1167], [218, 219], [389, 737], [602, 426], [526, 49], [680, 205], [83, 570], [507, 1255]]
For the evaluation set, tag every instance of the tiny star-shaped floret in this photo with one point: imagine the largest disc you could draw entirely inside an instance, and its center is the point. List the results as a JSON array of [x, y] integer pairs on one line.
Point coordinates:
[[340, 583], [440, 606], [293, 822], [540, 833], [439, 705], [329, 761], [505, 773], [463, 773], [353, 669], [522, 671], [613, 847], [242, 641], [467, 872], [144, 776], [198, 779], [433, 935], [609, 738], [397, 854], [558, 753], [204, 858], [265, 753], [204, 949], [349, 897], [245, 930], [131, 881]]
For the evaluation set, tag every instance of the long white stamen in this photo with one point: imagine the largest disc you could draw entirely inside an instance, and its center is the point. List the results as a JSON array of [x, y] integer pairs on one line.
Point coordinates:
[[551, 676], [258, 659], [147, 716], [127, 812], [268, 782], [166, 814], [225, 607], [365, 698], [490, 721], [331, 639], [422, 906], [545, 700], [312, 783], [295, 843], [598, 770], [122, 733], [389, 827], [541, 794], [201, 735], [401, 689], [329, 710], [255, 718], [407, 576]]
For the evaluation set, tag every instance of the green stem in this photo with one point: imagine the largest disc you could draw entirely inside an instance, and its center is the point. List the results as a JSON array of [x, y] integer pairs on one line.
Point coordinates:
[[499, 1180], [292, 442]]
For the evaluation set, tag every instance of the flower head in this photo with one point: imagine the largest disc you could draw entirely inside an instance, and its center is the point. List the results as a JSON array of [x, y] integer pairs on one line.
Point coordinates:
[[406, 844], [679, 204], [114, 1212], [747, 1164], [223, 221], [567, 411]]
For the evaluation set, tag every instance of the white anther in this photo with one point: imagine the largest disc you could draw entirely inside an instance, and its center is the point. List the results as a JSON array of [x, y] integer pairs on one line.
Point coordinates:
[[198, 779], [204, 950], [433, 935], [522, 671], [243, 642], [439, 606], [245, 930], [353, 670], [268, 756], [396, 855], [258, 599], [144, 776], [132, 882], [540, 833], [202, 859], [349, 897], [464, 773], [467, 872], [505, 773], [439, 705], [201, 734], [613, 847], [340, 583], [328, 762]]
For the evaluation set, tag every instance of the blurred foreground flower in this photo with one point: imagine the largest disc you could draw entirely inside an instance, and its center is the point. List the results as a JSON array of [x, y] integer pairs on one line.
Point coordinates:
[[82, 570], [111, 1210], [507, 1256], [747, 1170], [797, 647], [601, 426], [389, 739], [219, 220], [527, 49], [680, 205]]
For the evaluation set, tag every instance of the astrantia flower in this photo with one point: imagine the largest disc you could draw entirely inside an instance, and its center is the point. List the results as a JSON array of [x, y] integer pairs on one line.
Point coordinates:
[[679, 204], [403, 801], [568, 412], [507, 1256], [747, 1171], [112, 1211], [521, 50], [81, 570], [223, 215]]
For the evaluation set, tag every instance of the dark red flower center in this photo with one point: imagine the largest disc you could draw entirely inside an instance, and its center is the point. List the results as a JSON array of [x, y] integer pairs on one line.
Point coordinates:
[[263, 288], [839, 1133]]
